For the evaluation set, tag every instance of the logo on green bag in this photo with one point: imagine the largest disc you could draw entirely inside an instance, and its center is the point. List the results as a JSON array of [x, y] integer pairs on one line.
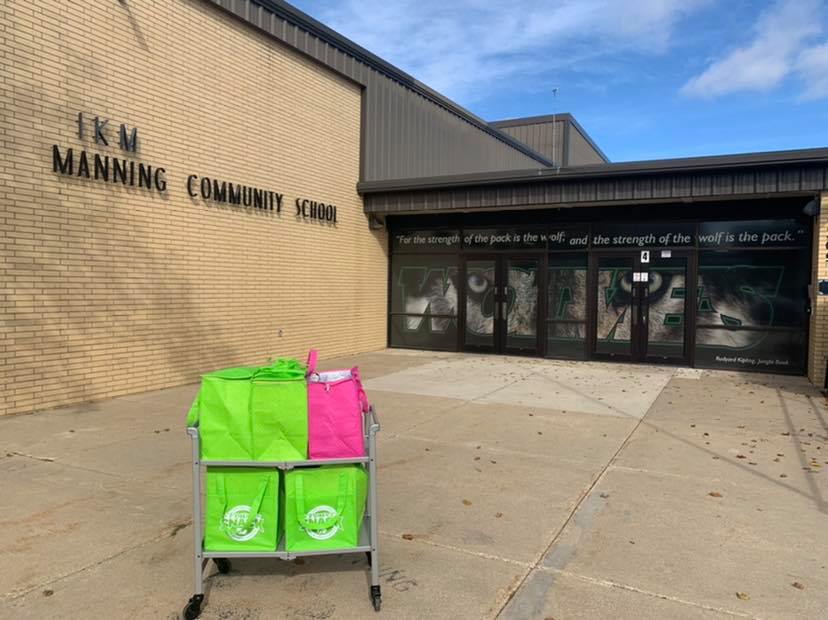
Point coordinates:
[[319, 515], [236, 524]]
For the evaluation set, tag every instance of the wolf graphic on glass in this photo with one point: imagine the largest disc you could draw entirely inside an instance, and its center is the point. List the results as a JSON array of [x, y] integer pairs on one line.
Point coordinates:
[[728, 296], [666, 290], [433, 291], [521, 302]]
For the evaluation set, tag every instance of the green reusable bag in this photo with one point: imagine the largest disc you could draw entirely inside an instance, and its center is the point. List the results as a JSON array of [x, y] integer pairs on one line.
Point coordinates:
[[253, 414], [242, 509], [323, 507]]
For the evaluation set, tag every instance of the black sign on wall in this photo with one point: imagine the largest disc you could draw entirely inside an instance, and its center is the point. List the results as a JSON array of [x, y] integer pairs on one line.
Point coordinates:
[[643, 235], [505, 238], [415, 240], [568, 237], [753, 233]]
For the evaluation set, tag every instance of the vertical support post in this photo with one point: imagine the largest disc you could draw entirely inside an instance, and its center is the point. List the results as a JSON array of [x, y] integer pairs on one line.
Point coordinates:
[[372, 497], [197, 520]]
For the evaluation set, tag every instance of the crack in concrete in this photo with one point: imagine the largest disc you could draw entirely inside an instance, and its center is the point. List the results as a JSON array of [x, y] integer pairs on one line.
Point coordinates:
[[469, 552], [606, 583], [45, 459]]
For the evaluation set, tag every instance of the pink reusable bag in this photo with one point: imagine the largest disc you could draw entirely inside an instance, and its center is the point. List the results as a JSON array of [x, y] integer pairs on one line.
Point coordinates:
[[336, 402]]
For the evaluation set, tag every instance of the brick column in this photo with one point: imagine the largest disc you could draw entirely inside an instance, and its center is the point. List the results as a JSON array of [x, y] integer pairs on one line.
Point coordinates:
[[818, 337]]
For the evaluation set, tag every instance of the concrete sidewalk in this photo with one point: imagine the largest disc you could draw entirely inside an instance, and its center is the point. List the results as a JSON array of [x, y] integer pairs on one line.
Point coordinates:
[[508, 487]]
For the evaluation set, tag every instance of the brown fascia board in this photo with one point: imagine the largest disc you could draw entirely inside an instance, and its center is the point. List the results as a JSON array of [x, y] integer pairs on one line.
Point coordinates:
[[711, 163], [532, 120]]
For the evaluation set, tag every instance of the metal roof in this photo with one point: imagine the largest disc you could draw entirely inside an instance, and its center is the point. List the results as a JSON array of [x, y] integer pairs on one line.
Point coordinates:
[[668, 180], [408, 129], [539, 130]]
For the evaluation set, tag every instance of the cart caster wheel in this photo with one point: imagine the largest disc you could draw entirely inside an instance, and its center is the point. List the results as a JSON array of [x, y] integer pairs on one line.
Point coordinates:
[[376, 597], [223, 565], [193, 608]]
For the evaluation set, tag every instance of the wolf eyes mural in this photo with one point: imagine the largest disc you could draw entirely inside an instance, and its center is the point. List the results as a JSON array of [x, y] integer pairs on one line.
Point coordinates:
[[665, 299], [428, 295], [521, 301]]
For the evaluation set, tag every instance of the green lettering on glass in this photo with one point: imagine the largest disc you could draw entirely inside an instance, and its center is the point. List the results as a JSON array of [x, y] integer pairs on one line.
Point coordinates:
[[565, 299], [730, 321], [673, 320]]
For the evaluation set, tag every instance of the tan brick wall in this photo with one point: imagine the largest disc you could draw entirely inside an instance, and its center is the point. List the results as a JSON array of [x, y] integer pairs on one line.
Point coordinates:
[[108, 289], [818, 335]]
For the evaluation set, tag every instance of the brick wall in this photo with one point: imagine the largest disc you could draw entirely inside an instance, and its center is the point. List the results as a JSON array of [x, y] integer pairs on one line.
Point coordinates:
[[818, 337], [110, 289]]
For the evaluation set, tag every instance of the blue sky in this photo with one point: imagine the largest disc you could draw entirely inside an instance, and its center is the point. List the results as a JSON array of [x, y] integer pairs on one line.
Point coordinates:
[[647, 79]]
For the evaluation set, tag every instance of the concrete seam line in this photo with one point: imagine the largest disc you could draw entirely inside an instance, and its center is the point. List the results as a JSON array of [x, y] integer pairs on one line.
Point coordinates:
[[477, 554], [581, 499], [501, 388], [13, 595], [606, 583], [493, 449]]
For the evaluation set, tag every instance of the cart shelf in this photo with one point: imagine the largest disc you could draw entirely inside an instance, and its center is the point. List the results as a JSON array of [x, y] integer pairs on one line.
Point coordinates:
[[287, 464], [364, 546]]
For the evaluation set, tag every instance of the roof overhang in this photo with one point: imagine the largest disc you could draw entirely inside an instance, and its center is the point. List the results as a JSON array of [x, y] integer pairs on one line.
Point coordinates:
[[749, 175]]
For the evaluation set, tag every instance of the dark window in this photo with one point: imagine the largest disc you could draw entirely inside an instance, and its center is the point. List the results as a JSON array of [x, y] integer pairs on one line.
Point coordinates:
[[424, 301], [751, 310], [566, 305]]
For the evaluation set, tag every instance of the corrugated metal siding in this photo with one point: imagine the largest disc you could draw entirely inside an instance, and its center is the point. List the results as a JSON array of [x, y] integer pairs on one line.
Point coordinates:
[[541, 137], [581, 152], [701, 185], [405, 133]]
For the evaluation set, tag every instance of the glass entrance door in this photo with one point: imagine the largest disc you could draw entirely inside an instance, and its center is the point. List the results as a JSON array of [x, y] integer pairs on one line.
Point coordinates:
[[640, 306], [665, 309], [501, 304], [616, 306]]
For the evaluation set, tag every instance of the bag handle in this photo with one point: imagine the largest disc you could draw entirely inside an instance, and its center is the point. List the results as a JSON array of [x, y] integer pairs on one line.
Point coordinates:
[[362, 397], [313, 357], [254, 508], [324, 524], [257, 503], [283, 369]]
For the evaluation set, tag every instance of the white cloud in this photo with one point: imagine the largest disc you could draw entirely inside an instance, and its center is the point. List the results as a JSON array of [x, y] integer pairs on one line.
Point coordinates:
[[464, 47], [781, 34], [812, 67]]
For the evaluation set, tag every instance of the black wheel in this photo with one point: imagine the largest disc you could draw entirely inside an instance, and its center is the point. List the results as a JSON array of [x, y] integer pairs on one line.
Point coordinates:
[[376, 597], [193, 608], [223, 565]]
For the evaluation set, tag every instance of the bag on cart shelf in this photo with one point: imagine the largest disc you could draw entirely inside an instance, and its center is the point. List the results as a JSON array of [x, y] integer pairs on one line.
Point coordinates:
[[253, 414], [336, 403], [323, 507], [242, 511]]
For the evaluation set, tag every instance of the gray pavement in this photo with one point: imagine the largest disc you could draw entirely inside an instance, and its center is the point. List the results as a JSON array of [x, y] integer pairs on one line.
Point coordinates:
[[508, 487]]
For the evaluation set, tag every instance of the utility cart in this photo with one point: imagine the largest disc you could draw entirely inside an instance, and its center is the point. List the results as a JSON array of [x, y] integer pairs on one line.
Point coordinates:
[[368, 542]]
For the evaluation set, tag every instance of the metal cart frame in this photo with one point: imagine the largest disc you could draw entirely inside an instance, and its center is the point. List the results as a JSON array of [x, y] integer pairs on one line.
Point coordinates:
[[368, 535]]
